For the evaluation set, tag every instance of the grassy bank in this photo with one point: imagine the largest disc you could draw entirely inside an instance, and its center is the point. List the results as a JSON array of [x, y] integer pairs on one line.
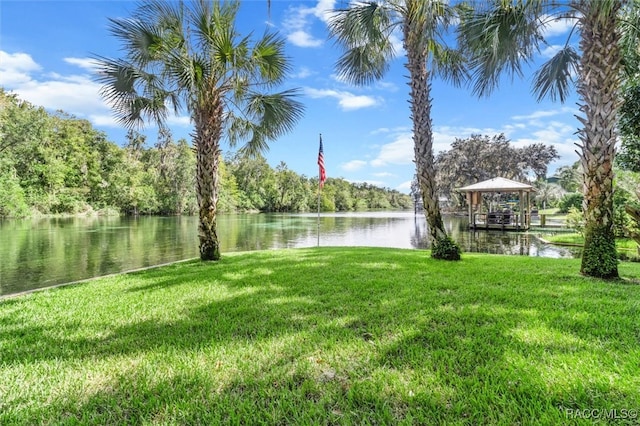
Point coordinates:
[[327, 336], [625, 246]]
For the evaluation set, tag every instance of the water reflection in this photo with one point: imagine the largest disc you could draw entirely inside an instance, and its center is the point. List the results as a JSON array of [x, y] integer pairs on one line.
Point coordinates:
[[43, 252]]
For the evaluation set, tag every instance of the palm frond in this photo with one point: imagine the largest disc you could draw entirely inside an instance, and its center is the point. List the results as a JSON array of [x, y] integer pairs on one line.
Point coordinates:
[[268, 56], [237, 128], [362, 65], [431, 17], [214, 24], [364, 30], [277, 112], [555, 78], [133, 94], [500, 40], [141, 40], [630, 39], [449, 64]]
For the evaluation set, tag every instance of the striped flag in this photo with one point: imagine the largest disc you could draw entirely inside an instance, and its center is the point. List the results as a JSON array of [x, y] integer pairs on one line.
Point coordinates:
[[322, 174]]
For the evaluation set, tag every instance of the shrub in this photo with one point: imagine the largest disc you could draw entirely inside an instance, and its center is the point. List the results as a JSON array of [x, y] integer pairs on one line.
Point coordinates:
[[575, 220], [570, 200], [446, 249]]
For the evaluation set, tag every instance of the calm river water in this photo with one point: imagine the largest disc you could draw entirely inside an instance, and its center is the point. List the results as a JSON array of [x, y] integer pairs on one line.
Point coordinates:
[[38, 253]]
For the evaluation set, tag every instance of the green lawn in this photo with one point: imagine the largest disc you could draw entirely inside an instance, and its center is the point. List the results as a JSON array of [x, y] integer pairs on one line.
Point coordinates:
[[327, 336]]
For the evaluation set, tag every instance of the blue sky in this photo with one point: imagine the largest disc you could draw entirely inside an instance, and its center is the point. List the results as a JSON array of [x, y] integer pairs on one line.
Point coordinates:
[[46, 45]]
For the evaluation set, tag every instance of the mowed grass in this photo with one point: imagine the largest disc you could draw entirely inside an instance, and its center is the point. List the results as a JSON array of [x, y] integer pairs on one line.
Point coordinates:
[[327, 336]]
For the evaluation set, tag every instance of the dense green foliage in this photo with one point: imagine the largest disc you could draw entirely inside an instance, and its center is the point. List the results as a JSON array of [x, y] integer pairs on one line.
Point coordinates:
[[58, 164], [446, 249], [570, 200], [629, 122], [324, 336], [599, 256]]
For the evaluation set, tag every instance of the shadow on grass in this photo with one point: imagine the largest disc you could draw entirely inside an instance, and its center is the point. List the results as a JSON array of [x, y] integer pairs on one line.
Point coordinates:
[[339, 335]]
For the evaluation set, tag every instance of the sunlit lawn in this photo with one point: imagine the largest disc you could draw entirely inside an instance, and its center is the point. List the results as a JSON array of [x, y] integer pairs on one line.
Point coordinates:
[[327, 336]]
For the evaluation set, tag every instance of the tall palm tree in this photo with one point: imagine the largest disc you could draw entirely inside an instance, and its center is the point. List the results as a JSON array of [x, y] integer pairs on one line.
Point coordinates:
[[365, 31], [188, 56], [502, 35]]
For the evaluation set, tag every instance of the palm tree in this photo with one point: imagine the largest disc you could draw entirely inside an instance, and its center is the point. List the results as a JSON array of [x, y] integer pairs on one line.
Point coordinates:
[[189, 56], [501, 37], [546, 193], [365, 31]]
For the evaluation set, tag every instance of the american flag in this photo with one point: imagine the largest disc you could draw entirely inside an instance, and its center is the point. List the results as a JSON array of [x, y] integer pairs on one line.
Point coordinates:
[[322, 173]]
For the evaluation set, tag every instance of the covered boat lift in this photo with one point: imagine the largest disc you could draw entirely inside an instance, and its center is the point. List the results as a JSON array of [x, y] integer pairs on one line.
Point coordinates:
[[504, 219]]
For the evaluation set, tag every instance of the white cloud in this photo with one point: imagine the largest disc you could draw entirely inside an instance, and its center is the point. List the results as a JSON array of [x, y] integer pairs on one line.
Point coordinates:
[[88, 64], [301, 38], [404, 186], [304, 72], [555, 27], [383, 130], [182, 120], [551, 50], [535, 115], [383, 174], [400, 151], [298, 21], [347, 101], [396, 42], [15, 69], [534, 119], [353, 165], [390, 87], [76, 94], [107, 120]]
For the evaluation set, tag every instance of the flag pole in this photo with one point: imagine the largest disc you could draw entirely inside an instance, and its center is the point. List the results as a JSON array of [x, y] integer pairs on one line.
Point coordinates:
[[322, 176], [319, 189], [318, 221]]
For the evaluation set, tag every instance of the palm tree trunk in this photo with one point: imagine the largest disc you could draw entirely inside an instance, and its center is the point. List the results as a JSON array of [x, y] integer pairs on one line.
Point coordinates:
[[422, 132], [598, 87], [208, 130]]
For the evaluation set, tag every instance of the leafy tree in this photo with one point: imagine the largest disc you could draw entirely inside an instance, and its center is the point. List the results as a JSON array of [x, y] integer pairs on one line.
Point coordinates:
[[501, 36], [229, 193], [107, 174], [189, 56], [183, 178], [536, 158], [573, 199], [569, 177], [291, 190], [364, 30], [343, 198], [12, 200], [479, 158], [255, 178], [20, 122], [547, 194]]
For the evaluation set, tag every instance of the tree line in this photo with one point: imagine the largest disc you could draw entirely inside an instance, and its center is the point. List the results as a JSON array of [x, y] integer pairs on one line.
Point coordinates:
[[59, 164]]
